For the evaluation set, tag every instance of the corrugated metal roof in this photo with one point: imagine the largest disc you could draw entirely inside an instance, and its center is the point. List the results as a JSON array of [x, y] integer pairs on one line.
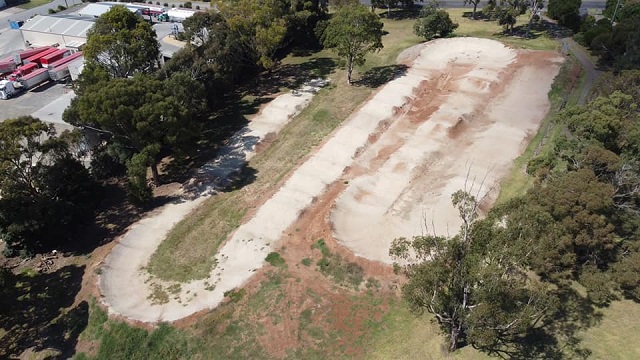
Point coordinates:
[[59, 25], [97, 9]]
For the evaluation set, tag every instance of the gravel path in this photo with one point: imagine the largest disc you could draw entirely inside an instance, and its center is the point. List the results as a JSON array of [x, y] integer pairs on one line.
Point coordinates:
[[587, 64]]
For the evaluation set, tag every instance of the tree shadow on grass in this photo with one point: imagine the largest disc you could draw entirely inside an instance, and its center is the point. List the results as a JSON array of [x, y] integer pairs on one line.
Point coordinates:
[[380, 75], [558, 337], [289, 76], [402, 14], [480, 16], [114, 214], [215, 136], [219, 129], [540, 28], [35, 313]]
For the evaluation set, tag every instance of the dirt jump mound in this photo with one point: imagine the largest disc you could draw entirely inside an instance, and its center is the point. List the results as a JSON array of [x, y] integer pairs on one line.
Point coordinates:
[[473, 113]]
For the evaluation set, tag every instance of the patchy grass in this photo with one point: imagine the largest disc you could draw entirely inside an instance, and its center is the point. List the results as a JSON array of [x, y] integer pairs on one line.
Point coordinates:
[[275, 260], [121, 341], [33, 4], [618, 334], [334, 266], [188, 251], [96, 322], [491, 29], [158, 295], [235, 295], [407, 336]]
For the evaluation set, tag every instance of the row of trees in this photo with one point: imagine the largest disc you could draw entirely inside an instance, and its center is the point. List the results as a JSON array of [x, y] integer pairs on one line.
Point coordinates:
[[500, 280], [141, 110], [44, 190], [616, 38]]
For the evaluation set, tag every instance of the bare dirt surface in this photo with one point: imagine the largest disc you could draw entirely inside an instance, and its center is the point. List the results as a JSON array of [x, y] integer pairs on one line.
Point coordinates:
[[464, 105], [471, 116]]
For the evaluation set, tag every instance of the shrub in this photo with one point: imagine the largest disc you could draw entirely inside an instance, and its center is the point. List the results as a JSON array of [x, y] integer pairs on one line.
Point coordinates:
[[157, 2], [52, 11], [235, 295], [275, 259], [197, 7], [61, 8], [188, 5], [434, 23], [165, 5]]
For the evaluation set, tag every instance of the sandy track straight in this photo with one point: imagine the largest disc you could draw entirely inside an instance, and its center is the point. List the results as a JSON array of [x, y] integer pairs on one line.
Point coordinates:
[[473, 116]]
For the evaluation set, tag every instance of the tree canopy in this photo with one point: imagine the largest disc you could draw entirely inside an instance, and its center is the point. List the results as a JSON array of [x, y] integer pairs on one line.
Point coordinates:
[[353, 32], [567, 12], [475, 283], [122, 43], [262, 25], [142, 114], [44, 191], [434, 22]]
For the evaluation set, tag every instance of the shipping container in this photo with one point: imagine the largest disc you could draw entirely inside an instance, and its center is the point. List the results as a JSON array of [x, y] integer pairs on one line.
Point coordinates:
[[7, 66], [54, 56], [65, 60], [75, 68], [37, 57], [25, 69], [19, 57]]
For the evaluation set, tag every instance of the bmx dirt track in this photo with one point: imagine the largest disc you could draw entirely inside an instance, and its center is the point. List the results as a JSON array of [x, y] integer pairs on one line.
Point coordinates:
[[474, 113], [464, 105]]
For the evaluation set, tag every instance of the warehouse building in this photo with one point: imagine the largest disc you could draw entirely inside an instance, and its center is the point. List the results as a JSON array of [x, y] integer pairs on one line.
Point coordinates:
[[96, 9], [63, 30]]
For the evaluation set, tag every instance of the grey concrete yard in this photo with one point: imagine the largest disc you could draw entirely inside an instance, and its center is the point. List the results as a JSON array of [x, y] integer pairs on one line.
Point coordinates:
[[29, 102]]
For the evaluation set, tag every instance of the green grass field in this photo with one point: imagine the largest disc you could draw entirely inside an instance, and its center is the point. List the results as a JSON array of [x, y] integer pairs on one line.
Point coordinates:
[[33, 3], [491, 29]]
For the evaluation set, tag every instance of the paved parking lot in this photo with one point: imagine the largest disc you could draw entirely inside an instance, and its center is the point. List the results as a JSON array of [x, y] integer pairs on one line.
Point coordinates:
[[30, 101]]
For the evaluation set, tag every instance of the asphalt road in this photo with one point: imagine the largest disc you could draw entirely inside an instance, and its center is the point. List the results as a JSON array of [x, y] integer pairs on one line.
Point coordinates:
[[592, 73], [162, 30]]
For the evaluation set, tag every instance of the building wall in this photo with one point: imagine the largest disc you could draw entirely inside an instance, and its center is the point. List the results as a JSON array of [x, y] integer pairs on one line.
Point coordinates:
[[48, 39]]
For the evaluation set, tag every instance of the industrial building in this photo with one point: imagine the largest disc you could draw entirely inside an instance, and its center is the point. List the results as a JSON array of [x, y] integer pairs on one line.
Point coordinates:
[[96, 9], [64, 30]]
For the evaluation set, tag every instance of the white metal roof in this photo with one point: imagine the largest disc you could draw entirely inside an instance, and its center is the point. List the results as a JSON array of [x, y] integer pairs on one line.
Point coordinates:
[[99, 8], [59, 25]]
